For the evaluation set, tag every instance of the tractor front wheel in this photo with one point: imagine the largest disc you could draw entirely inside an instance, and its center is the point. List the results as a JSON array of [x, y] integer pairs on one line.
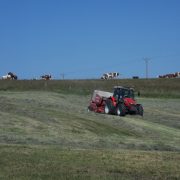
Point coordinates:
[[108, 107], [140, 110], [120, 110]]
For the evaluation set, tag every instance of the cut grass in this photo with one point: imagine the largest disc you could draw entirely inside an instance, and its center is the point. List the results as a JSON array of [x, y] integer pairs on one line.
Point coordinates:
[[58, 119], [24, 162], [49, 135]]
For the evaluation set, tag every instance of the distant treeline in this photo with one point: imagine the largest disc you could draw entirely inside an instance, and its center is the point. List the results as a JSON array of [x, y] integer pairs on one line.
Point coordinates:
[[146, 87]]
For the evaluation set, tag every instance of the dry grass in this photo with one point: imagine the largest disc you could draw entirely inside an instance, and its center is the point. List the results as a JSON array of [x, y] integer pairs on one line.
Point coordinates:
[[50, 135], [59, 119]]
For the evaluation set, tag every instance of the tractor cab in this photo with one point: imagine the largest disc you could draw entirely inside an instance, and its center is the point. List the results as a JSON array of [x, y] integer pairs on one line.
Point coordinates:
[[121, 92]]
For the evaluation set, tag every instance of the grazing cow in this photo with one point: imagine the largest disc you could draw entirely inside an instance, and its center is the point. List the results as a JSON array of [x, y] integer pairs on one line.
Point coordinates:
[[10, 76], [110, 75], [172, 75], [13, 76], [177, 74], [135, 77], [46, 77], [6, 77]]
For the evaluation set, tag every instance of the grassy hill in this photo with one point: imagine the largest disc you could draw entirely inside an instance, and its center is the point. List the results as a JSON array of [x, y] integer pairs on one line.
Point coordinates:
[[148, 88], [47, 133]]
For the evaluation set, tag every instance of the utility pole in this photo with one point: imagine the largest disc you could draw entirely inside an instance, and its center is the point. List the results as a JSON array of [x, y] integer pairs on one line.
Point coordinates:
[[63, 75], [146, 60]]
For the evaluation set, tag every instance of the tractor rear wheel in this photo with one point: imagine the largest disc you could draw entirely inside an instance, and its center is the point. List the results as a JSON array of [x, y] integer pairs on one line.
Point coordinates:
[[120, 110], [140, 110], [108, 107]]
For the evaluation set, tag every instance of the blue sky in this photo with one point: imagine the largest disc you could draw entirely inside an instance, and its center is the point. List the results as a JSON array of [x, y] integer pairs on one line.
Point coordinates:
[[86, 38]]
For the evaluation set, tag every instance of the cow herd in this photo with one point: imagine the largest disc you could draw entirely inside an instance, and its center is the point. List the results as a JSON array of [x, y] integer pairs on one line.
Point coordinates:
[[105, 76], [171, 75], [110, 75], [12, 76]]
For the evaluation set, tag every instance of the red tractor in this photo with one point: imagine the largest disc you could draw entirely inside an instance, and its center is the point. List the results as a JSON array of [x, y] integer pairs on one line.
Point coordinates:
[[120, 103]]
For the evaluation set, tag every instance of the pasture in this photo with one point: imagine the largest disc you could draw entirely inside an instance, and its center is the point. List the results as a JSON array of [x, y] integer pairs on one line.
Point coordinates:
[[166, 88], [47, 133]]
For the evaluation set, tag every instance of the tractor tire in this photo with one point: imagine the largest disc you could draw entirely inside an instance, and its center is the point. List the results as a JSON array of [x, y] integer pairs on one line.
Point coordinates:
[[140, 110], [120, 110], [108, 109]]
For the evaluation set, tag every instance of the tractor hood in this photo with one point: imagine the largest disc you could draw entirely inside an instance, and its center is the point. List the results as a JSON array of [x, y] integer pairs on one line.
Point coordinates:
[[129, 101]]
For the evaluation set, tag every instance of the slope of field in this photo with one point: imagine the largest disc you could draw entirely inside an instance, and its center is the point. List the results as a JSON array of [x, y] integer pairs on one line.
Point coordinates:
[[46, 135], [59, 119]]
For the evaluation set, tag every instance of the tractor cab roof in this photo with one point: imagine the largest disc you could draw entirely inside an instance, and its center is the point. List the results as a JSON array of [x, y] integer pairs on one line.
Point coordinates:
[[121, 92], [122, 87]]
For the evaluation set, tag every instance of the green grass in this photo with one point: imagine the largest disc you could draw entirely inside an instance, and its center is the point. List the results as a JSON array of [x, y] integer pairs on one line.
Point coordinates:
[[51, 135], [34, 162], [166, 88]]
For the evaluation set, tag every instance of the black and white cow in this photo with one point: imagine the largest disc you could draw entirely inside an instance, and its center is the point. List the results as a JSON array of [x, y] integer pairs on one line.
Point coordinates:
[[110, 75], [10, 76], [13, 76], [46, 77]]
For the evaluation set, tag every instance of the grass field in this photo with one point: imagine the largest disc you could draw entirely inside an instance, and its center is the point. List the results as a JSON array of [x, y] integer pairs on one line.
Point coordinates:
[[50, 135], [166, 88]]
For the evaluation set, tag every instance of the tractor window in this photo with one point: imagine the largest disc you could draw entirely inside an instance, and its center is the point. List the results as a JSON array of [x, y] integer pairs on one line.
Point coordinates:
[[121, 93], [118, 93], [131, 94], [126, 93]]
